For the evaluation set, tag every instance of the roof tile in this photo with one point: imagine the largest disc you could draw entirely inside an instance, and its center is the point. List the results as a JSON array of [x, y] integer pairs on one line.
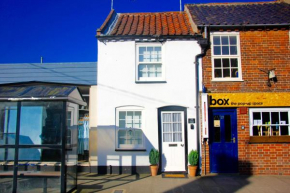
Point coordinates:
[[240, 13], [144, 24]]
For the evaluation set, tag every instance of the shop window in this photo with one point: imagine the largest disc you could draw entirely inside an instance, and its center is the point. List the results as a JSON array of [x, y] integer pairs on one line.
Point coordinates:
[[269, 122]]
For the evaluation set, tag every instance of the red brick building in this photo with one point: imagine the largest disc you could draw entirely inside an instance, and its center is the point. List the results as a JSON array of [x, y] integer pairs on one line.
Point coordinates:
[[245, 75]]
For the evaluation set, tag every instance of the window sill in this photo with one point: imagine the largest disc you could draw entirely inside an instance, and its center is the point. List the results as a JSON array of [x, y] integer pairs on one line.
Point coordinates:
[[227, 80], [130, 149], [150, 82], [269, 139]]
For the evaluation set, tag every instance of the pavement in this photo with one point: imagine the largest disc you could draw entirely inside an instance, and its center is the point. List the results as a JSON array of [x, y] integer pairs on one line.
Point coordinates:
[[144, 183]]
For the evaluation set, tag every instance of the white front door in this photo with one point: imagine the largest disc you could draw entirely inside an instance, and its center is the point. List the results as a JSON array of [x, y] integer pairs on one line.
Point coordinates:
[[173, 146]]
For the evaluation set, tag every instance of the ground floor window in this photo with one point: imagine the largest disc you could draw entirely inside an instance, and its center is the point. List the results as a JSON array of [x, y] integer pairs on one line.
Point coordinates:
[[269, 122], [129, 132]]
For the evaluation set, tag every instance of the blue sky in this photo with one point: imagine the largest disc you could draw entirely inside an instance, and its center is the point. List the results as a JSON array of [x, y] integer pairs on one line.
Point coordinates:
[[64, 30]]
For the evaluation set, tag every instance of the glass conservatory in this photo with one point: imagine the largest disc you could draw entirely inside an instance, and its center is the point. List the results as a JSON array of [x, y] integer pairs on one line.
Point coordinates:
[[38, 145]]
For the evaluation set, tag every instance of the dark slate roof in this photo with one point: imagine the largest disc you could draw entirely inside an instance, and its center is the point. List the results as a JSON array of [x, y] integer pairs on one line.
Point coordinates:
[[41, 92], [258, 13], [35, 91], [81, 73], [146, 24]]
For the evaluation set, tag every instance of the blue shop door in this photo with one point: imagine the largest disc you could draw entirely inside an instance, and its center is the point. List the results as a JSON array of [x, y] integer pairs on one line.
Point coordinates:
[[223, 141]]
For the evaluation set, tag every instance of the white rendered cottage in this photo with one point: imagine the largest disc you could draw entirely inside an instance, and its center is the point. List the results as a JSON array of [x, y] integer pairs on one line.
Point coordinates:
[[146, 95]]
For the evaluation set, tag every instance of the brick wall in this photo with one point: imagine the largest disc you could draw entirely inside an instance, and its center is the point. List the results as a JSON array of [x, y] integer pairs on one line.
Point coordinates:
[[268, 159], [259, 50]]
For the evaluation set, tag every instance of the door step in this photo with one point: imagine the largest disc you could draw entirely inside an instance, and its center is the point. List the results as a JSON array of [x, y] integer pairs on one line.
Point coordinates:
[[174, 175]]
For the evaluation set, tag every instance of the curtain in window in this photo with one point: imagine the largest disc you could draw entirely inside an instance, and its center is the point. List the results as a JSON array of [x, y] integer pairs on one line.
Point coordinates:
[[172, 128]]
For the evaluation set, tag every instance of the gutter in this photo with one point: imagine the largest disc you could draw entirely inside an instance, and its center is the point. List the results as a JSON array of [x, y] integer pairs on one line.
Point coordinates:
[[204, 45]]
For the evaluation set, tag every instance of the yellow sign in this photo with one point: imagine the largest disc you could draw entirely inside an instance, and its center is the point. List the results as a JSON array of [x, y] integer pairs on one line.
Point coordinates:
[[249, 99]]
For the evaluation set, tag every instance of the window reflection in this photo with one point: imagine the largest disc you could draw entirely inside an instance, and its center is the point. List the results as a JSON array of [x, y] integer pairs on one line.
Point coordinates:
[[8, 117], [40, 123]]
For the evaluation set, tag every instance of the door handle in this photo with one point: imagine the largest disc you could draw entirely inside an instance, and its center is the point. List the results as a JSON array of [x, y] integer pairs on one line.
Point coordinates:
[[182, 145], [234, 140]]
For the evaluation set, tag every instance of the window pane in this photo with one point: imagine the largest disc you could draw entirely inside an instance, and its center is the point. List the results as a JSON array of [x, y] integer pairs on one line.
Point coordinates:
[[275, 130], [228, 128], [129, 123], [217, 63], [216, 40], [217, 73], [150, 49], [167, 127], [235, 73], [225, 40], [166, 117], [217, 50], [8, 119], [233, 50], [233, 40], [257, 116], [256, 130], [217, 134], [137, 125], [122, 123], [7, 154], [159, 53], [226, 63], [274, 118], [158, 70], [122, 114], [151, 69], [40, 123], [284, 117], [142, 70], [284, 130], [142, 50], [217, 129], [129, 115], [138, 137], [177, 137], [137, 115], [225, 50], [226, 73], [141, 58], [266, 130], [167, 137], [176, 127], [177, 117], [146, 57], [265, 117], [234, 62]]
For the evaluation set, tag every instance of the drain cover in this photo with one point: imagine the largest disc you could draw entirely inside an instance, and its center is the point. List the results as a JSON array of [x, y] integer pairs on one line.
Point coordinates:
[[118, 191]]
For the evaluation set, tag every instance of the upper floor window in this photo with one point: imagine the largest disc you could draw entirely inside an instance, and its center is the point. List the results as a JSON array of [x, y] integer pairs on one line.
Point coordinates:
[[226, 59], [129, 134], [269, 122], [149, 63]]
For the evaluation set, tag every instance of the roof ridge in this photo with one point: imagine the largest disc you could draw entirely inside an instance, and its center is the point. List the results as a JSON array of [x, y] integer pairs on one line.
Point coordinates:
[[152, 13], [234, 3]]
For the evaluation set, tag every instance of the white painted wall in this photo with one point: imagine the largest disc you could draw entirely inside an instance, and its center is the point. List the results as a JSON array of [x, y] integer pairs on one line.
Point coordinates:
[[117, 87]]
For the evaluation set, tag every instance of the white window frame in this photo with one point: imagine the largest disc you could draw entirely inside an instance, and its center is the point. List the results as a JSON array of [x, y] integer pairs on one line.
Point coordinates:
[[117, 128], [238, 56], [255, 110], [150, 79]]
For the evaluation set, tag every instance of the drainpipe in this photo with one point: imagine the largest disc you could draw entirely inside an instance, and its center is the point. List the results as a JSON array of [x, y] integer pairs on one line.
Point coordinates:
[[203, 44]]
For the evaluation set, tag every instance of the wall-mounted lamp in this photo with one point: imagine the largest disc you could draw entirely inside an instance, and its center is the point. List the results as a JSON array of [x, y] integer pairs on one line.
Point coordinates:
[[271, 76]]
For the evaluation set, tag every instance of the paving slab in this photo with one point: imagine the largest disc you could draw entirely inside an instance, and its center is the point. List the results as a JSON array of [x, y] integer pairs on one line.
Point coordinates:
[[144, 183]]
